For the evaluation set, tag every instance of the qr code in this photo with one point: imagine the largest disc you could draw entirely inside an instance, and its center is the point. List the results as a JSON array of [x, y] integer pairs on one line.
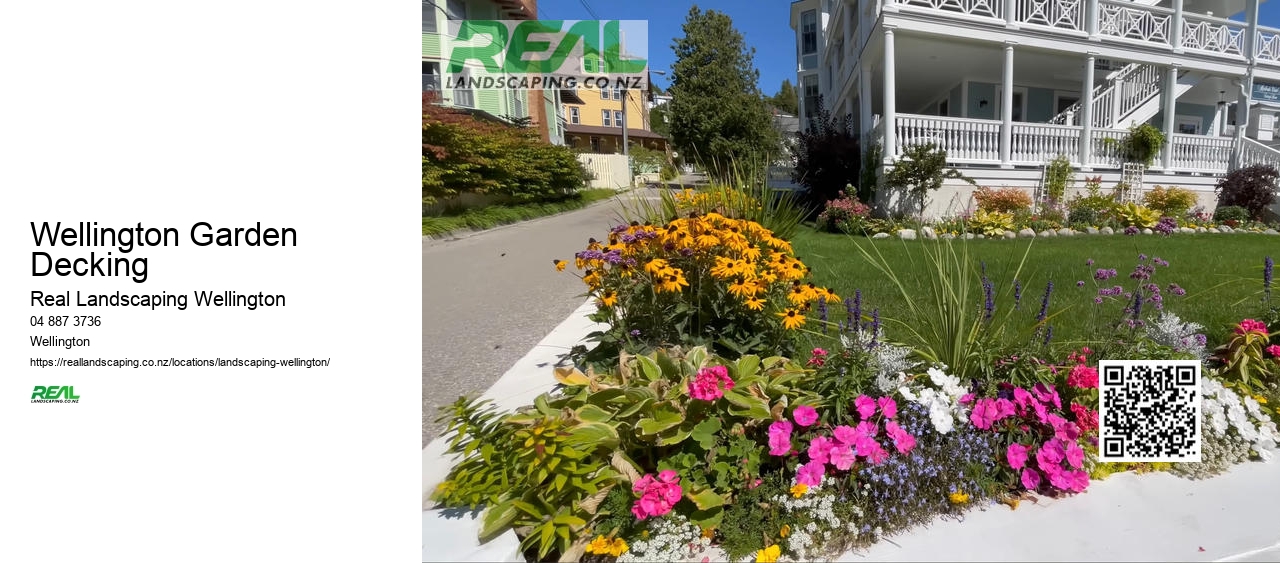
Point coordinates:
[[1149, 411]]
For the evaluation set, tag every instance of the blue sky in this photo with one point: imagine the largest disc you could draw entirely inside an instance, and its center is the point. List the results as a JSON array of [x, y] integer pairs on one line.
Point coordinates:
[[764, 23]]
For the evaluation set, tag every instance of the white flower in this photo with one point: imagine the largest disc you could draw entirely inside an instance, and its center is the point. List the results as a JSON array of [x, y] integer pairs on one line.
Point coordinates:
[[1252, 406], [938, 377], [1236, 414], [1263, 454], [907, 393], [1218, 423], [1210, 386], [942, 420], [1247, 431]]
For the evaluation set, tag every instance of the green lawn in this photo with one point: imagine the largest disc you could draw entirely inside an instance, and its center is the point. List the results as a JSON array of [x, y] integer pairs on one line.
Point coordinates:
[[1221, 273], [492, 216]]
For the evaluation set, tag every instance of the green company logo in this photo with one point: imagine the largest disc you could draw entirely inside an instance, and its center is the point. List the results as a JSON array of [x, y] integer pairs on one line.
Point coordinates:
[[543, 54], [54, 394]]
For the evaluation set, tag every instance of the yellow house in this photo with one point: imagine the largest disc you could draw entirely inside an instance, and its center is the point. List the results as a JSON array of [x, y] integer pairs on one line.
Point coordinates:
[[596, 123]]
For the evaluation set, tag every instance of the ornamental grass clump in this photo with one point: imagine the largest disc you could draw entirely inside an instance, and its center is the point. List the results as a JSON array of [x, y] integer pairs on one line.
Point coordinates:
[[704, 279]]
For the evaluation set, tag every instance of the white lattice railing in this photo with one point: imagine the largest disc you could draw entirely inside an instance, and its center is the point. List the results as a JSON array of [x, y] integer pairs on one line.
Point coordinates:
[[1267, 49], [1215, 35], [1060, 14], [1201, 152], [1135, 89], [1038, 143], [1126, 20], [980, 8], [965, 140], [1253, 152]]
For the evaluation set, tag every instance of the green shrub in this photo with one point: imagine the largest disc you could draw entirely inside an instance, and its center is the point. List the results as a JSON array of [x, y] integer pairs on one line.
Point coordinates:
[[828, 159], [1058, 177], [922, 169], [1141, 144], [462, 153], [991, 223], [1230, 213], [1134, 215], [1083, 215], [1170, 202], [1253, 188]]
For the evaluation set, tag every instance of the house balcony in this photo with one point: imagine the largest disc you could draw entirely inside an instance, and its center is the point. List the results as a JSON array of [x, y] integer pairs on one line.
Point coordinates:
[[1126, 25], [977, 142]]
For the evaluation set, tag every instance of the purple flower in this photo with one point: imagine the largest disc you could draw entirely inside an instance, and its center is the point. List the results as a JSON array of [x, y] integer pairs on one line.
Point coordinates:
[[1048, 335], [1137, 304], [1268, 267], [822, 312], [1130, 230], [875, 327], [1017, 294], [1044, 302], [1103, 274], [989, 290], [635, 332], [1080, 283], [1088, 262]]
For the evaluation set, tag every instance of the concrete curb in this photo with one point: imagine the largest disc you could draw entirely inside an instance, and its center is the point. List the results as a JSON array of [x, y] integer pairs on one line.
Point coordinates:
[[468, 233]]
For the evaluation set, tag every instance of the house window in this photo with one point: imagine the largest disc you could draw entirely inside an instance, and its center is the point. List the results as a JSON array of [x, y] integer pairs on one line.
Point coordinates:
[[810, 96], [595, 144], [604, 94], [809, 33], [1188, 125], [457, 9], [573, 116], [462, 96], [515, 99], [429, 17], [430, 76], [606, 117], [617, 93], [617, 119]]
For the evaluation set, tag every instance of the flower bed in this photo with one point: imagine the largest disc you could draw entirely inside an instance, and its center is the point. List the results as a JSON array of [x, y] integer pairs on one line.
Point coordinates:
[[752, 410]]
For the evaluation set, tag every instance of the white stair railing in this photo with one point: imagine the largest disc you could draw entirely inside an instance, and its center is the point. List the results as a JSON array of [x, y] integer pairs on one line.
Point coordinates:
[[1115, 99], [1253, 152]]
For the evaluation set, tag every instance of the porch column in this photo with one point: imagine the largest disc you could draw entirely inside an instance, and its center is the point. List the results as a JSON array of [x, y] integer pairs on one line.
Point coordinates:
[[1091, 19], [1175, 38], [1170, 110], [1086, 112], [864, 105], [1006, 129], [890, 93]]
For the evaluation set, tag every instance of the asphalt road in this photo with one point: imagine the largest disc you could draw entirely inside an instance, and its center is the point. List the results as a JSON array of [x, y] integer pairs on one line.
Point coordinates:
[[489, 298]]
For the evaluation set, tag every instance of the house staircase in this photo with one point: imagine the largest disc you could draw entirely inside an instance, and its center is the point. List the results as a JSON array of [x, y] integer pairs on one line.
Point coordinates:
[[1130, 95]]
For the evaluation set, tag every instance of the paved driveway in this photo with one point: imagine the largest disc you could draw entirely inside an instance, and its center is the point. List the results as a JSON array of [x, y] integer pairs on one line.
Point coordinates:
[[488, 299]]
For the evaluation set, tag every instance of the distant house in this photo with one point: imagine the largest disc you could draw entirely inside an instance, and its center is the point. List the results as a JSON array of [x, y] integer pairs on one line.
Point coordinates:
[[541, 107], [596, 119]]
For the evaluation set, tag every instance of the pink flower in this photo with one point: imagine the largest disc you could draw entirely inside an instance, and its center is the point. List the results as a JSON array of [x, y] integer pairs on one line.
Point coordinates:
[[1046, 394], [888, 407], [1042, 413], [1075, 455], [1022, 398], [805, 415], [710, 383], [866, 406], [1079, 481], [842, 457], [657, 496], [866, 429], [1060, 478], [875, 454], [818, 357], [1050, 456], [1063, 429], [1274, 350], [1030, 479], [845, 434], [1016, 455], [1083, 377], [902, 440], [1250, 325], [1086, 418], [818, 448], [984, 413], [966, 398], [811, 474], [780, 438], [1004, 409]]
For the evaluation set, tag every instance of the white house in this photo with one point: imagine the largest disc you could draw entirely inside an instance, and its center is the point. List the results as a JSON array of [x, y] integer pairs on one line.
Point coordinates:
[[1005, 86]]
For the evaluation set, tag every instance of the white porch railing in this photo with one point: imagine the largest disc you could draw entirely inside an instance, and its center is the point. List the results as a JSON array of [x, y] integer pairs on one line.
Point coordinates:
[[977, 141], [1253, 152], [1118, 97], [1116, 20], [1215, 35], [1197, 153], [965, 140], [1042, 142]]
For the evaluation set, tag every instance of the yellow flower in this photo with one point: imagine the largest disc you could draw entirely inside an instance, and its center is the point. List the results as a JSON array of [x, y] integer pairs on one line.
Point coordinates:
[[673, 282], [742, 289], [653, 267], [958, 497], [798, 296], [560, 265], [709, 533], [618, 547], [751, 252], [798, 490], [755, 304], [592, 279], [791, 318], [1260, 399], [609, 298], [769, 554], [725, 268], [598, 546], [785, 531]]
